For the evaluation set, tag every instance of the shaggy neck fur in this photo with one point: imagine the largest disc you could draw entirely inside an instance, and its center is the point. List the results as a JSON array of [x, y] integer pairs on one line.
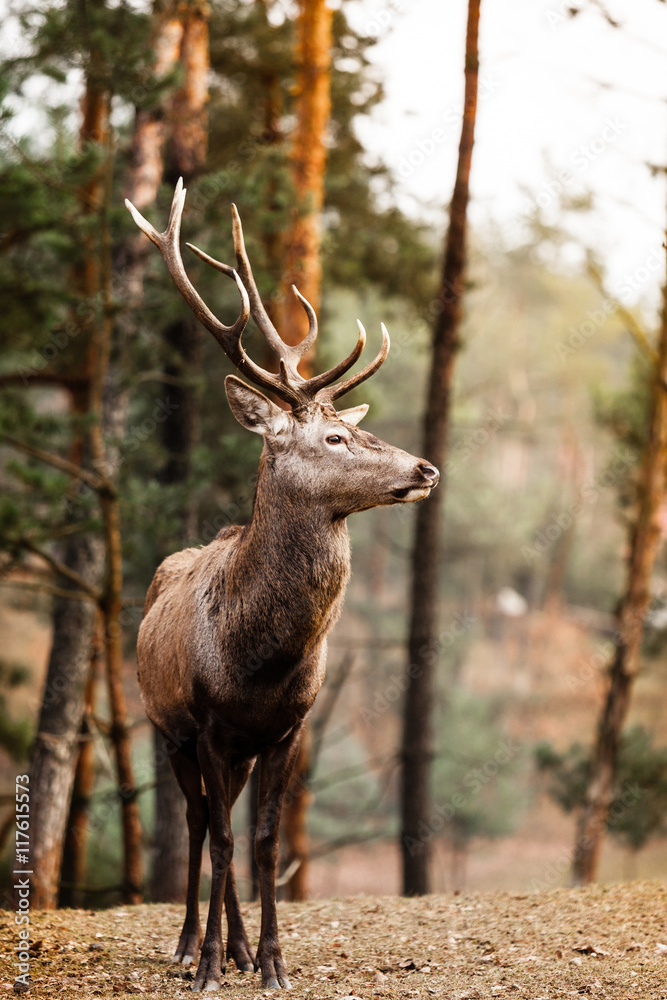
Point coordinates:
[[290, 569]]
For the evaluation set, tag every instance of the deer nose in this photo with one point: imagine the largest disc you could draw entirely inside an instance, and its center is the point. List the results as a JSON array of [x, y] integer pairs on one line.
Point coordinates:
[[429, 472]]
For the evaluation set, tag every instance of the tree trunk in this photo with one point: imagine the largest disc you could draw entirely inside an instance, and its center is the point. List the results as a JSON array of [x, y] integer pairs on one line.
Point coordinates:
[[56, 749], [644, 542], [187, 114], [180, 434], [423, 646], [302, 267], [302, 243], [169, 874], [186, 147], [295, 820], [74, 864]]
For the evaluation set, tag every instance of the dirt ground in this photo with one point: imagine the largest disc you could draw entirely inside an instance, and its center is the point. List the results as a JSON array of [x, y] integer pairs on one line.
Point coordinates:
[[599, 941]]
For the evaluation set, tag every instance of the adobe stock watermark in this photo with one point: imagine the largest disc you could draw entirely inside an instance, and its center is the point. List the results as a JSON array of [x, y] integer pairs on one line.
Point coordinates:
[[229, 514], [624, 291], [555, 872], [560, 13], [382, 19], [470, 786], [22, 872], [424, 148], [472, 440], [139, 433], [589, 495], [580, 159], [397, 686], [604, 651]]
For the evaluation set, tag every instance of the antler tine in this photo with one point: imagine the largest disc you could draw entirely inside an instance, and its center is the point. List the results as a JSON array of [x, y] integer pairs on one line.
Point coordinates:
[[229, 337], [327, 395], [317, 384], [217, 264], [308, 341], [290, 355]]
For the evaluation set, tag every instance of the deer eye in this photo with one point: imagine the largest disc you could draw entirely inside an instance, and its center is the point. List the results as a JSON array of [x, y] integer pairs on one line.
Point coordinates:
[[335, 439]]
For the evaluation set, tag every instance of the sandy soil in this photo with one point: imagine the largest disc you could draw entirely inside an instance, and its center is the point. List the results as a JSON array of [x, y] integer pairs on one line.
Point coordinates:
[[599, 941]]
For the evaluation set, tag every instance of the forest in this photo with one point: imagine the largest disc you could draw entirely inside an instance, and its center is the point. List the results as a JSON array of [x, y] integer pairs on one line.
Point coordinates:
[[491, 727]]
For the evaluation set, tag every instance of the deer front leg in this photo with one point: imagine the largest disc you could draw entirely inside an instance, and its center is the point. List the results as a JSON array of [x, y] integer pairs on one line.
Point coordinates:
[[238, 946], [188, 775], [275, 769], [216, 773]]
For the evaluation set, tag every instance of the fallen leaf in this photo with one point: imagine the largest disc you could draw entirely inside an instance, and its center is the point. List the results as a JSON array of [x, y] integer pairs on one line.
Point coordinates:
[[589, 949]]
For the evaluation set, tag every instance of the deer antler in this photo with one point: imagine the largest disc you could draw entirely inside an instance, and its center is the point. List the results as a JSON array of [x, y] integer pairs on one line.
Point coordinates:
[[289, 385]]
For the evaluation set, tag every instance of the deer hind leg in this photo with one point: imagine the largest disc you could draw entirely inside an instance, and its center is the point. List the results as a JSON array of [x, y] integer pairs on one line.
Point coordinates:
[[238, 946], [216, 771], [276, 765], [188, 775]]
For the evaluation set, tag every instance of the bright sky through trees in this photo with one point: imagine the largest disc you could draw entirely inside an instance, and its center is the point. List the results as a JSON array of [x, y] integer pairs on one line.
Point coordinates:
[[558, 94]]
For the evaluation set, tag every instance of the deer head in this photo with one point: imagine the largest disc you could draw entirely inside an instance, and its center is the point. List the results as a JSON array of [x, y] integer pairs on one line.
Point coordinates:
[[318, 454]]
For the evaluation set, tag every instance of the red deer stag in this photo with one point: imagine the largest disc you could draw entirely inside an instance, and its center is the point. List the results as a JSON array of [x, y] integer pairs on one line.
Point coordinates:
[[232, 646]]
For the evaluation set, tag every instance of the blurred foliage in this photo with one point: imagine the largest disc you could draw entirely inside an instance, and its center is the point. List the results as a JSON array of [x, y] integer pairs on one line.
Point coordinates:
[[638, 811], [477, 777], [542, 394], [15, 734]]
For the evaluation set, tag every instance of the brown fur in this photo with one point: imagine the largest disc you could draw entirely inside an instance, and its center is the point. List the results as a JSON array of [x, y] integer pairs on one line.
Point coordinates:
[[233, 643], [232, 647]]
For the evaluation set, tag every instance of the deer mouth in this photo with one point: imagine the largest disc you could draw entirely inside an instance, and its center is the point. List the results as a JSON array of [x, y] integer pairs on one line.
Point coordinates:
[[412, 493]]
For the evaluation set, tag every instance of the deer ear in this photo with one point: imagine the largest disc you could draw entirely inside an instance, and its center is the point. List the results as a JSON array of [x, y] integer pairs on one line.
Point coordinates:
[[353, 415], [252, 409]]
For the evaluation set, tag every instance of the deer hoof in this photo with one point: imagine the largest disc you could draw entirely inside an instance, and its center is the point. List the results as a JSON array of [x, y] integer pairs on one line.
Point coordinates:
[[188, 948], [276, 984], [209, 973], [242, 956], [208, 986], [180, 959]]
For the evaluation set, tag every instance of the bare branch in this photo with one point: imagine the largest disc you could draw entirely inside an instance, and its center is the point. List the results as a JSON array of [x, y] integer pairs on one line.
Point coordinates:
[[634, 326], [59, 567], [28, 378], [48, 588], [320, 723], [92, 479]]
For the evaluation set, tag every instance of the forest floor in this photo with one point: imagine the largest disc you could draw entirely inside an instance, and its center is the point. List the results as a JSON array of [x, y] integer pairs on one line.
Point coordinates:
[[598, 941]]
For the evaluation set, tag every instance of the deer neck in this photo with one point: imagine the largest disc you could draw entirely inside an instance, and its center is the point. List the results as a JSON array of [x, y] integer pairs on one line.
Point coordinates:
[[291, 566]]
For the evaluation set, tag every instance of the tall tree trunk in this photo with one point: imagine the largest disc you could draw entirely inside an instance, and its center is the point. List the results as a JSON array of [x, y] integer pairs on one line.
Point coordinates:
[[55, 751], [75, 849], [273, 109], [151, 129], [180, 433], [186, 114], [108, 409], [302, 267], [56, 748], [423, 646], [309, 154], [645, 539]]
